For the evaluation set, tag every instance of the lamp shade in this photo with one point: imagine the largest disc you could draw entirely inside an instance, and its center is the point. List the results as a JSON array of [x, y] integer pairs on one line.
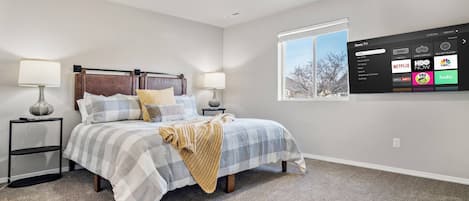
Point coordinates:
[[39, 73], [214, 80]]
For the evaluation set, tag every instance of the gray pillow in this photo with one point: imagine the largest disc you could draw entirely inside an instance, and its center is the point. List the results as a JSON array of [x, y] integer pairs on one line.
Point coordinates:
[[114, 108], [163, 113]]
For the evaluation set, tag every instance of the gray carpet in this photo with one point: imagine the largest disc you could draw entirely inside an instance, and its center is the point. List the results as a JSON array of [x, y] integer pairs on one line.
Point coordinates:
[[323, 182]]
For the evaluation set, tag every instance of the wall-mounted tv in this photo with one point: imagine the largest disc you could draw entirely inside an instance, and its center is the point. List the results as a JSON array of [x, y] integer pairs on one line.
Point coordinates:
[[429, 60]]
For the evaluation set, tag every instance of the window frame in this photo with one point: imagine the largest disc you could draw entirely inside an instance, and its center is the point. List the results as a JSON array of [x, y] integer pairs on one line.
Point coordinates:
[[281, 88]]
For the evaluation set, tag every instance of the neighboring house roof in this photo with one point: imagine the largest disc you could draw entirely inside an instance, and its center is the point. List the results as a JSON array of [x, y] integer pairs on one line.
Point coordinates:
[[292, 85]]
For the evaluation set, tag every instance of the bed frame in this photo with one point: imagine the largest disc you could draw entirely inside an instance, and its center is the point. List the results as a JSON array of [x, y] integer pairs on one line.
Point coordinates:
[[108, 82]]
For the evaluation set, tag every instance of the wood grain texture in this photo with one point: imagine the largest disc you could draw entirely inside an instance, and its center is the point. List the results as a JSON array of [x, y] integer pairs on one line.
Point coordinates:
[[179, 83], [104, 84], [97, 183], [111, 84], [230, 183]]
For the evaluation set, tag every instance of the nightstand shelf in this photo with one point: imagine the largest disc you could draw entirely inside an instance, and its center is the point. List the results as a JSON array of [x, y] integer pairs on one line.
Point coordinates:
[[34, 180], [35, 150], [33, 120], [209, 109]]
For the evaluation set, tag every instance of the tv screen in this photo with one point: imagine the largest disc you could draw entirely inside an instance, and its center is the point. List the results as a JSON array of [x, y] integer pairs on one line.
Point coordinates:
[[429, 60]]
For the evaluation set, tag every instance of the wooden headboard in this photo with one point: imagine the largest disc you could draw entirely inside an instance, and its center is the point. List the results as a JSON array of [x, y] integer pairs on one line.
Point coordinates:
[[163, 81], [109, 82]]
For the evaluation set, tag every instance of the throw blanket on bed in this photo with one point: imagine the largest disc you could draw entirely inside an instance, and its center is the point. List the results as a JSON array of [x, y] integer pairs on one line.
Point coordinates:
[[199, 144]]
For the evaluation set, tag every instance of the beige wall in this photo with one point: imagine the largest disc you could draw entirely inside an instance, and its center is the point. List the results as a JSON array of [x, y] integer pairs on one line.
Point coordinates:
[[361, 129], [94, 34]]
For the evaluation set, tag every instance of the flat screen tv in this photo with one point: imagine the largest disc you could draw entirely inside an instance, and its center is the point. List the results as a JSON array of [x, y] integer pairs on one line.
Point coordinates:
[[422, 61]]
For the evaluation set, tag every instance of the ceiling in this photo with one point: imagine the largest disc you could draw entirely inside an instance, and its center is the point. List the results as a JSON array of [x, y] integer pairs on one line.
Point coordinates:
[[216, 12]]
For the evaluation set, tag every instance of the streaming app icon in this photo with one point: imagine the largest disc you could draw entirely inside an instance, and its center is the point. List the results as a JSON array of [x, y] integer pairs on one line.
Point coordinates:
[[446, 62], [400, 51], [447, 88], [402, 80], [446, 77], [401, 66], [446, 47], [422, 50], [423, 89], [422, 78], [420, 65]]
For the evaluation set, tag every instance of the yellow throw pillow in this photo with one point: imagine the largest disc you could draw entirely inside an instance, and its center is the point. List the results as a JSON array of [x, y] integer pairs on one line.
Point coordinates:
[[155, 97]]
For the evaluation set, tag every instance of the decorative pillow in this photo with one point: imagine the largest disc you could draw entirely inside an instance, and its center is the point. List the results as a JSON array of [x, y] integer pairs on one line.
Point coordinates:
[[155, 97], [82, 109], [190, 106], [86, 105], [87, 101], [162, 113], [114, 108]]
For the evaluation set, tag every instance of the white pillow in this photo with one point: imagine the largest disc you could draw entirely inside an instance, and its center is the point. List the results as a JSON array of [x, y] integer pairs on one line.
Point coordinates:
[[82, 109], [190, 106]]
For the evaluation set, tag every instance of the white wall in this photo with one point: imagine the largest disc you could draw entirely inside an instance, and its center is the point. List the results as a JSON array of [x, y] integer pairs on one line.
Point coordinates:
[[433, 127], [92, 33]]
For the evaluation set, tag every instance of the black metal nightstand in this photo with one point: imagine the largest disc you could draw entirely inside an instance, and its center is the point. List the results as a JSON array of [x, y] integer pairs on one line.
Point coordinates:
[[218, 109], [33, 150]]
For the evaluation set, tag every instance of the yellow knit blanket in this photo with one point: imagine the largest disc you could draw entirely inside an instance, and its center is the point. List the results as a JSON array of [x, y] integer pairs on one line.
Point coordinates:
[[199, 144]]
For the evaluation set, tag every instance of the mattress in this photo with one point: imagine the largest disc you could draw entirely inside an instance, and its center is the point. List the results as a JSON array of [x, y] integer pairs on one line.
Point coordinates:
[[141, 167]]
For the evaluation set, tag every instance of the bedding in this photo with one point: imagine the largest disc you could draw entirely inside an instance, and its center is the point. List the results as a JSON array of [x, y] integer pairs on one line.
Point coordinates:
[[189, 103], [114, 108], [190, 106], [82, 109], [141, 167], [163, 113], [158, 97], [99, 108]]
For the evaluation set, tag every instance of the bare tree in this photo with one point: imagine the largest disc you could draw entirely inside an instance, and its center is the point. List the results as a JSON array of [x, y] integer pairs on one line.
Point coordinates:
[[301, 80], [331, 75]]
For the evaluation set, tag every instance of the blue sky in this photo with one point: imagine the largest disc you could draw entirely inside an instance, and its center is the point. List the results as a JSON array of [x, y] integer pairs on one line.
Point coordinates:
[[300, 51]]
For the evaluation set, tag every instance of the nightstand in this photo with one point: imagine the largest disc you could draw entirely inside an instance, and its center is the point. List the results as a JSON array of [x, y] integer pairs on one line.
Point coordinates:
[[218, 109], [34, 150]]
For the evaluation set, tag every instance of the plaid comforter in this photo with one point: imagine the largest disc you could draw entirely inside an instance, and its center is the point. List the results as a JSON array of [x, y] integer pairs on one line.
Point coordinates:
[[141, 167]]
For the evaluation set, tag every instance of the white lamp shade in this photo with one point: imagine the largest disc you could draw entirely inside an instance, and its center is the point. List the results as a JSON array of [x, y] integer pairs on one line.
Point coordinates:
[[214, 80], [37, 73]]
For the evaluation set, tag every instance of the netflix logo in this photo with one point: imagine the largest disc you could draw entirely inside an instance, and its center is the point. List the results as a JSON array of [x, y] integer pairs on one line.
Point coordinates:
[[401, 66]]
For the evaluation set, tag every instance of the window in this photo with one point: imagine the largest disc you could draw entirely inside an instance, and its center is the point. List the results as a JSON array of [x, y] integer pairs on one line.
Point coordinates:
[[313, 62]]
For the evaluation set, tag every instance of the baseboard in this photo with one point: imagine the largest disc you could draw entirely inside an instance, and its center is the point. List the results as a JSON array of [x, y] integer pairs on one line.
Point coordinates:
[[403, 171], [33, 174]]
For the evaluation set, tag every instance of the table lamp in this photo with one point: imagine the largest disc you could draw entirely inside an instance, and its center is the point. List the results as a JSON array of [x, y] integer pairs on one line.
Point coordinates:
[[41, 74], [214, 81]]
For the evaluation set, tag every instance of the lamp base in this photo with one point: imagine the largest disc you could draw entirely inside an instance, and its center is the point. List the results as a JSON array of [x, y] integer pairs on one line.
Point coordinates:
[[41, 107], [214, 103]]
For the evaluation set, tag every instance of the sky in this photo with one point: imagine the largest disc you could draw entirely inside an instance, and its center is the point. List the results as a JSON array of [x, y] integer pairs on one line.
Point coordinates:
[[300, 51]]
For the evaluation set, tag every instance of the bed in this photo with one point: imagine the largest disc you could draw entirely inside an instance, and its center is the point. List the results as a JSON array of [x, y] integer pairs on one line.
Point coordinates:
[[132, 156]]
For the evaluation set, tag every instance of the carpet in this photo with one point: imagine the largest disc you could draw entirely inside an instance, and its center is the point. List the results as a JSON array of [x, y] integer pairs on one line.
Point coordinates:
[[323, 182]]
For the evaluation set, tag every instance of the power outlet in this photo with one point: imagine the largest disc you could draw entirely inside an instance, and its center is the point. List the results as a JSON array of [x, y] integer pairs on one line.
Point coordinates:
[[396, 142]]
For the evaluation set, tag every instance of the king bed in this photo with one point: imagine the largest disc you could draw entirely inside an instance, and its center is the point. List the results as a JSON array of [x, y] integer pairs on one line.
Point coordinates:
[[133, 157]]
